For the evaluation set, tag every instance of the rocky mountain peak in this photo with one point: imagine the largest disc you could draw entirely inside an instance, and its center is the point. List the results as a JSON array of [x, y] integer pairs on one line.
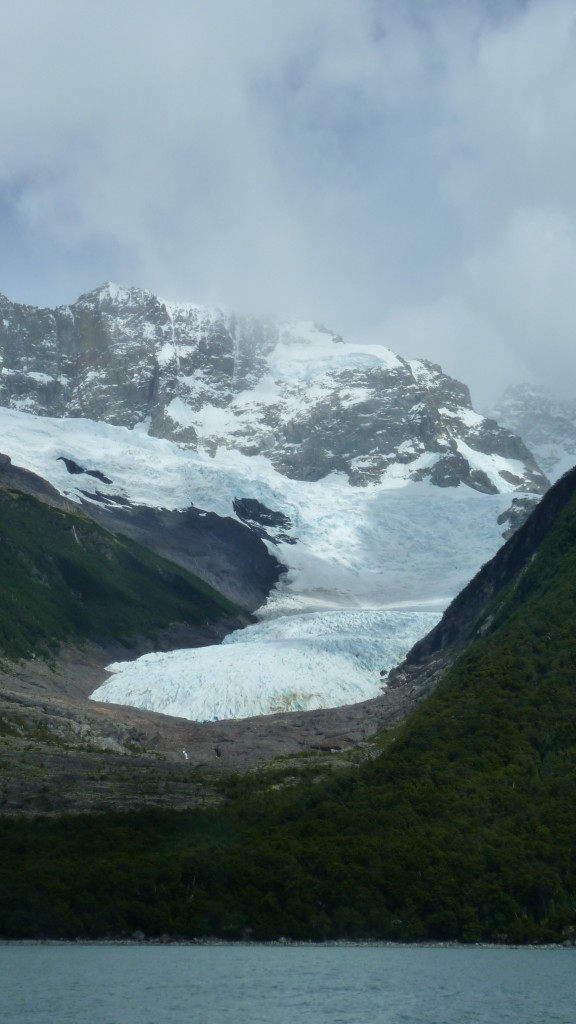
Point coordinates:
[[292, 391]]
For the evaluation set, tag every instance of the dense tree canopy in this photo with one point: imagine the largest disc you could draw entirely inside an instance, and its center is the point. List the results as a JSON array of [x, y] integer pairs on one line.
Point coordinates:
[[459, 825]]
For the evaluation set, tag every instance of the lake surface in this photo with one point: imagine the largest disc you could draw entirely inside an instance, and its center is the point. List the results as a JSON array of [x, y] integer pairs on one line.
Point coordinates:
[[285, 985]]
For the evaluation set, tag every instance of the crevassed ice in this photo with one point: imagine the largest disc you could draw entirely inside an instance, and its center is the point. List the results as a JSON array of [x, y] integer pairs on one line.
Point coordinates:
[[297, 663], [411, 546]]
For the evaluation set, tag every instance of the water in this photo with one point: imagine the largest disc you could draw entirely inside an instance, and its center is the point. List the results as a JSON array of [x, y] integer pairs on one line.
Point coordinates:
[[290, 985]]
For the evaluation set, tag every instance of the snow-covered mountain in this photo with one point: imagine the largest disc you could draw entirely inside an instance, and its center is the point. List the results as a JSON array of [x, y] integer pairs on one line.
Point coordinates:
[[548, 426], [369, 569], [291, 391], [370, 477]]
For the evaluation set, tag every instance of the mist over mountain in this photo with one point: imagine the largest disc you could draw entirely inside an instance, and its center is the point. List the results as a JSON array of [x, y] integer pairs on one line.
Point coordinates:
[[287, 627], [546, 424], [293, 392], [371, 479]]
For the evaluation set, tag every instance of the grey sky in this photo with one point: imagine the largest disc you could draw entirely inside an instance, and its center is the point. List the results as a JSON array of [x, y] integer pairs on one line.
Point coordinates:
[[402, 170]]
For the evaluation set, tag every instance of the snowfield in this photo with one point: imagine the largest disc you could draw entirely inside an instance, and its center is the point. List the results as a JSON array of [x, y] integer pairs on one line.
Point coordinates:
[[369, 573]]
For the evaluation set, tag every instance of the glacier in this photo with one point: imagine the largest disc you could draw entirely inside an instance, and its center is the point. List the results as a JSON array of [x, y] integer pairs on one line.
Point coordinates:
[[294, 663], [369, 569]]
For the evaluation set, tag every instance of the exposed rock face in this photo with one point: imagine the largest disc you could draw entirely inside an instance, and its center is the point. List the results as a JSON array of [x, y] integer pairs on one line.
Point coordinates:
[[515, 516], [291, 391], [228, 555], [547, 425]]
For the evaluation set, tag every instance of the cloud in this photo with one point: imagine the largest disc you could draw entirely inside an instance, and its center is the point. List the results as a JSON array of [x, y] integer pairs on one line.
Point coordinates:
[[400, 169]]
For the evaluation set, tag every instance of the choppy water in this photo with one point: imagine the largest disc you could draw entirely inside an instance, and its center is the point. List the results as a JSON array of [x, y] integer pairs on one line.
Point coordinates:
[[285, 985]]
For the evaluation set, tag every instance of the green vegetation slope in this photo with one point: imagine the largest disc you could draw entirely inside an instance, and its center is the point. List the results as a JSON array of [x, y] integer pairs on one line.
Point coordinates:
[[64, 578], [460, 825]]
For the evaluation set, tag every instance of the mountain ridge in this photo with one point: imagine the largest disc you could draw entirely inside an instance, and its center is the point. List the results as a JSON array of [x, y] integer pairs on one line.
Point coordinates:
[[369, 477], [292, 391]]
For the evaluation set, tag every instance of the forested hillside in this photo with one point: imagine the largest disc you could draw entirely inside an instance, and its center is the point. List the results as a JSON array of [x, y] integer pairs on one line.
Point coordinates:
[[62, 577], [460, 825]]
